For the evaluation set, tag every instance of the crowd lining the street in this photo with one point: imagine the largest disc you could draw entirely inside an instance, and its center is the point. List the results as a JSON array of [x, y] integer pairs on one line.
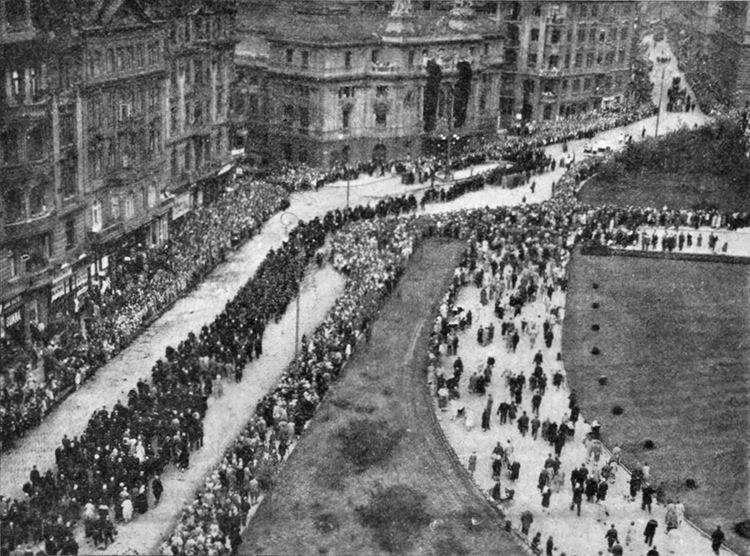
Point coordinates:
[[112, 470]]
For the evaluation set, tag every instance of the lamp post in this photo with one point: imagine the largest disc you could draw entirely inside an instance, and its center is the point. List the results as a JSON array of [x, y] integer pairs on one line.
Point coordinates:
[[661, 95], [348, 185], [288, 220]]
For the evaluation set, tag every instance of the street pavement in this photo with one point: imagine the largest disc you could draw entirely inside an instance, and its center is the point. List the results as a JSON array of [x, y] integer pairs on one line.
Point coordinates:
[[227, 416], [572, 535]]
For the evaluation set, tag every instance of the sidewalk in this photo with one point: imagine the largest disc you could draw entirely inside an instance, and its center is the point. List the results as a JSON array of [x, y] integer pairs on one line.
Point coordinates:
[[226, 418], [576, 536]]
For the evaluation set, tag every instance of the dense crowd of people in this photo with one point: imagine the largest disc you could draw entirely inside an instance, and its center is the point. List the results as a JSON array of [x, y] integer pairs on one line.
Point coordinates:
[[583, 126], [112, 471], [372, 254], [123, 450], [143, 283]]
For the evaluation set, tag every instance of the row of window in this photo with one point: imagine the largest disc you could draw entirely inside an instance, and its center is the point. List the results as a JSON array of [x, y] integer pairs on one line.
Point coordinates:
[[592, 58], [106, 108], [122, 206], [196, 153], [127, 150], [24, 85], [555, 34], [200, 28], [376, 57], [133, 57]]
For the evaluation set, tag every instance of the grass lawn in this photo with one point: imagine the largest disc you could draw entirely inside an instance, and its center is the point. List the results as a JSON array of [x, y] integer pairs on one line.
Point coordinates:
[[371, 475], [673, 189], [675, 346], [690, 168]]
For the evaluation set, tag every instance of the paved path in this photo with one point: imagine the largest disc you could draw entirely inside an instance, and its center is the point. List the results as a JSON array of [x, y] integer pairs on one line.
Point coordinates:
[[200, 307], [227, 416], [576, 536]]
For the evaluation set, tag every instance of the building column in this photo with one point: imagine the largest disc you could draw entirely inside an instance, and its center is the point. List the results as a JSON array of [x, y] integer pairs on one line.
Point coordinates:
[[3, 19], [55, 116], [26, 85], [8, 80], [83, 154], [215, 76]]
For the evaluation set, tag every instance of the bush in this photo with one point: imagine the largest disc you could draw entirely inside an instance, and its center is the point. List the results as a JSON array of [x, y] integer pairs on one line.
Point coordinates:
[[691, 484], [395, 514], [617, 410], [595, 286], [595, 305], [649, 445], [366, 442], [326, 522], [743, 528], [595, 351], [595, 327]]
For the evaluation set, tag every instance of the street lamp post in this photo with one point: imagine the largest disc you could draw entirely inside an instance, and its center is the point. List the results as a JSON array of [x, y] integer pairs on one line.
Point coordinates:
[[348, 185], [661, 95]]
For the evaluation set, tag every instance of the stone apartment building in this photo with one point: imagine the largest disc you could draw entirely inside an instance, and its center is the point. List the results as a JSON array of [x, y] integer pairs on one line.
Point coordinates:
[[329, 81], [345, 79], [105, 139], [565, 58]]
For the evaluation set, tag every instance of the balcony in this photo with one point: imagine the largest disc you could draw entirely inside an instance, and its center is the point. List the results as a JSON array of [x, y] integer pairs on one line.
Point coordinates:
[[113, 231], [28, 227]]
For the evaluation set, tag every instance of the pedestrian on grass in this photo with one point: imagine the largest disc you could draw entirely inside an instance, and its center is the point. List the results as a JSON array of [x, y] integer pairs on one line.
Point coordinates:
[[717, 538]]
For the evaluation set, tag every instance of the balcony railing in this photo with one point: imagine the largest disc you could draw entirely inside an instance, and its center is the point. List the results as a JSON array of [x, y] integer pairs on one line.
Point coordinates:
[[30, 226]]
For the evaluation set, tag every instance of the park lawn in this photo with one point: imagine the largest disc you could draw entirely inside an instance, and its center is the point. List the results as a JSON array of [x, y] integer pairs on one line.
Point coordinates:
[[706, 167], [675, 346], [314, 505], [672, 189]]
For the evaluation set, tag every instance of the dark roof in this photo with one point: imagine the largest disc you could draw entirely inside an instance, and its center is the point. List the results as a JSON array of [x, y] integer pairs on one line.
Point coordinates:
[[286, 25]]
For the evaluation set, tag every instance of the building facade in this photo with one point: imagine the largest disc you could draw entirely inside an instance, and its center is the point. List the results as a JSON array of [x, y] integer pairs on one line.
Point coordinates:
[[711, 39], [328, 82], [112, 122], [565, 58], [42, 209]]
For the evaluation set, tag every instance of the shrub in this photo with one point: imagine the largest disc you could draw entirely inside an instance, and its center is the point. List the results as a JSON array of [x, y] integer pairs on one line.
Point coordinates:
[[691, 484], [395, 514], [743, 528], [617, 410], [648, 444], [595, 351], [595, 286], [603, 380], [595, 305], [326, 522], [595, 327], [366, 442]]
